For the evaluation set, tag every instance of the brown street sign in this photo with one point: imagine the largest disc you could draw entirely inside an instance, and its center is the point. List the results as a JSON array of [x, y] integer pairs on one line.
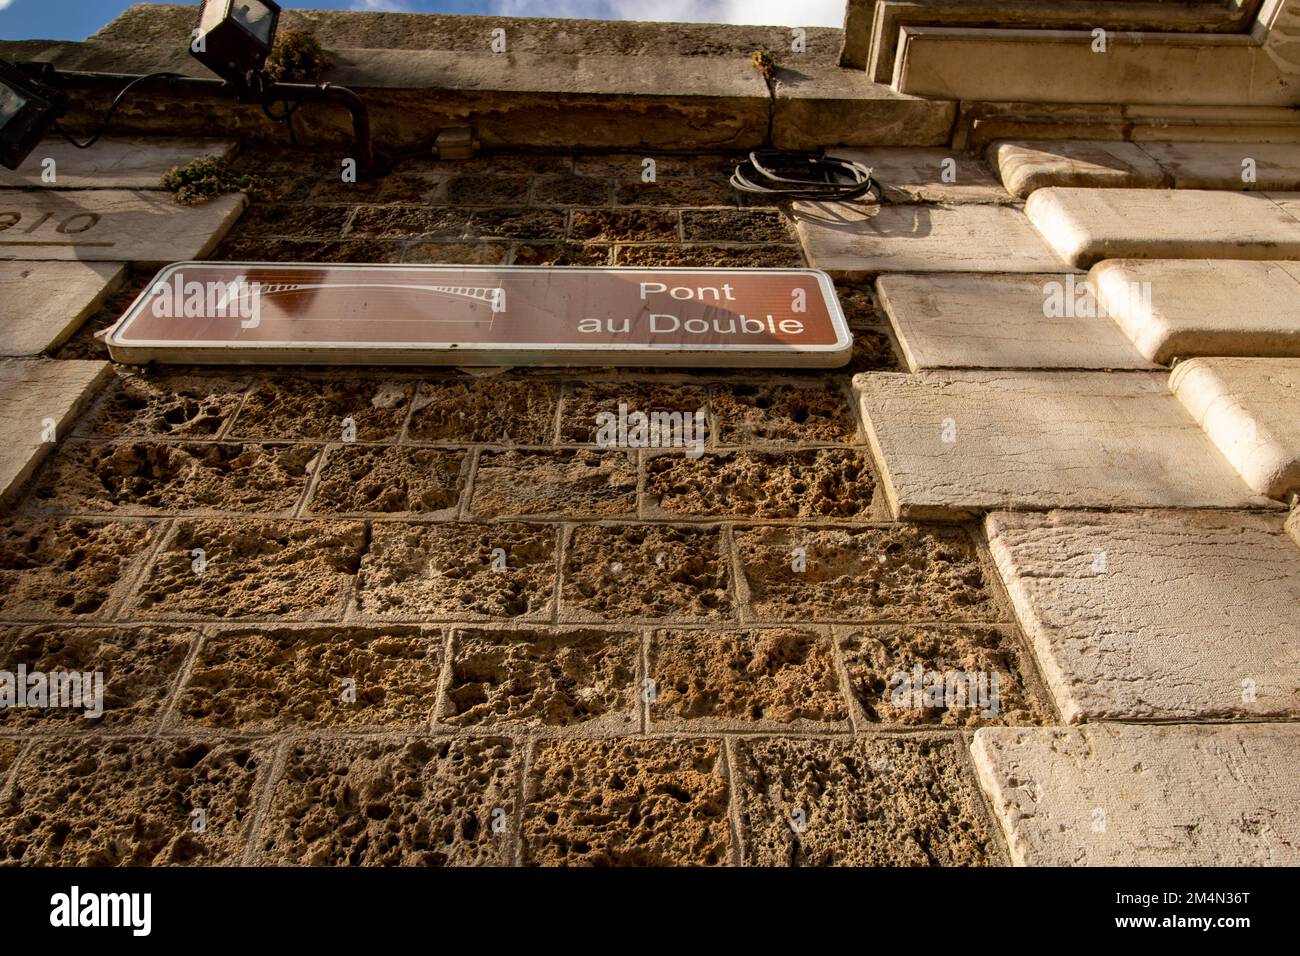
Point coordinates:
[[228, 313]]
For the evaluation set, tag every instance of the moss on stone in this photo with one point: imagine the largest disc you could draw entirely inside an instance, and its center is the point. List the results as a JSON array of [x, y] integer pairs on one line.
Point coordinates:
[[204, 179], [297, 57]]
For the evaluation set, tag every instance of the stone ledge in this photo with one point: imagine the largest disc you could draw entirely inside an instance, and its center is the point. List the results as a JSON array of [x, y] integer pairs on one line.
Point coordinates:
[[112, 163], [1250, 409], [1144, 796], [519, 99], [113, 225], [917, 175], [852, 239], [819, 106], [46, 302], [950, 445], [1059, 66], [1190, 307], [1156, 615], [1085, 226], [1029, 165], [1215, 16], [1219, 165], [964, 320], [146, 26], [41, 398], [981, 123], [599, 84]]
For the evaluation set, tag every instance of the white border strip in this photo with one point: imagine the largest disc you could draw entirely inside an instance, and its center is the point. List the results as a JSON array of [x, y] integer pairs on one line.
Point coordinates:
[[117, 334]]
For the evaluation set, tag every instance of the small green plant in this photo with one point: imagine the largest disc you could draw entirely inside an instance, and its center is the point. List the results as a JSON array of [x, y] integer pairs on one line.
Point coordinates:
[[205, 179], [297, 57], [764, 62]]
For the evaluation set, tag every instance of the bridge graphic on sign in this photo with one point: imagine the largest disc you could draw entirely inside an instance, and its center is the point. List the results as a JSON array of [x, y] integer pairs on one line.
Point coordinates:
[[494, 296]]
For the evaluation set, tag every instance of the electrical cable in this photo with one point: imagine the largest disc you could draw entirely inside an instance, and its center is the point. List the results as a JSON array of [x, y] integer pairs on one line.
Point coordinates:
[[784, 174], [108, 116], [285, 117]]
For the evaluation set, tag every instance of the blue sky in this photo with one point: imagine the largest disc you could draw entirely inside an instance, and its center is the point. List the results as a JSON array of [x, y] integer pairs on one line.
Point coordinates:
[[77, 19]]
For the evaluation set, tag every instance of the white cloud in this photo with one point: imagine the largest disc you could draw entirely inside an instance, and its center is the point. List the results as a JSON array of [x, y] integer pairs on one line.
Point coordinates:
[[5, 4], [809, 13]]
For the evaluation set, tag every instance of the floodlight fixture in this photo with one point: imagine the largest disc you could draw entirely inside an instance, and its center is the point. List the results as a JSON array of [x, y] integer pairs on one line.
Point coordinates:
[[28, 108], [234, 38]]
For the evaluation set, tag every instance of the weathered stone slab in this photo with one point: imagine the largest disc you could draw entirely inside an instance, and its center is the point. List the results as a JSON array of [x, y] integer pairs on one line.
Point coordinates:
[[852, 239], [1088, 225], [1187, 307], [1142, 796], [815, 103], [111, 225], [1001, 321], [110, 163], [917, 175], [38, 400], [858, 17], [1290, 202], [1250, 408], [1229, 165], [954, 444], [1026, 166], [1157, 615], [45, 302], [891, 16], [1293, 523], [1062, 66]]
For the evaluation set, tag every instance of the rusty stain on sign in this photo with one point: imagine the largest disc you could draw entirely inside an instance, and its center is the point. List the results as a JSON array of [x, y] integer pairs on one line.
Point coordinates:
[[228, 313]]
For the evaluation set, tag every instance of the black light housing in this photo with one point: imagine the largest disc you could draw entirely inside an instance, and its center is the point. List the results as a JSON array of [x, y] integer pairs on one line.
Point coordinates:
[[28, 108], [235, 37]]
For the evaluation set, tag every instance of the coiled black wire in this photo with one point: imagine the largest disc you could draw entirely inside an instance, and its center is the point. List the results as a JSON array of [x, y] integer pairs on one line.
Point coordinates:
[[783, 174], [108, 117]]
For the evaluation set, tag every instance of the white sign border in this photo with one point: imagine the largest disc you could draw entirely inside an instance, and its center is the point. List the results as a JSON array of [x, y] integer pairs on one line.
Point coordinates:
[[116, 336]]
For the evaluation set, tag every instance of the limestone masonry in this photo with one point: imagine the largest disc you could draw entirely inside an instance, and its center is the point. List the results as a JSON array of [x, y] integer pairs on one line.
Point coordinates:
[[994, 561]]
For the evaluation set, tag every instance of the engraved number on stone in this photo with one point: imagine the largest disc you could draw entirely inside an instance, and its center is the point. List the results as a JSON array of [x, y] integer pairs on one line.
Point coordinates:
[[72, 225]]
